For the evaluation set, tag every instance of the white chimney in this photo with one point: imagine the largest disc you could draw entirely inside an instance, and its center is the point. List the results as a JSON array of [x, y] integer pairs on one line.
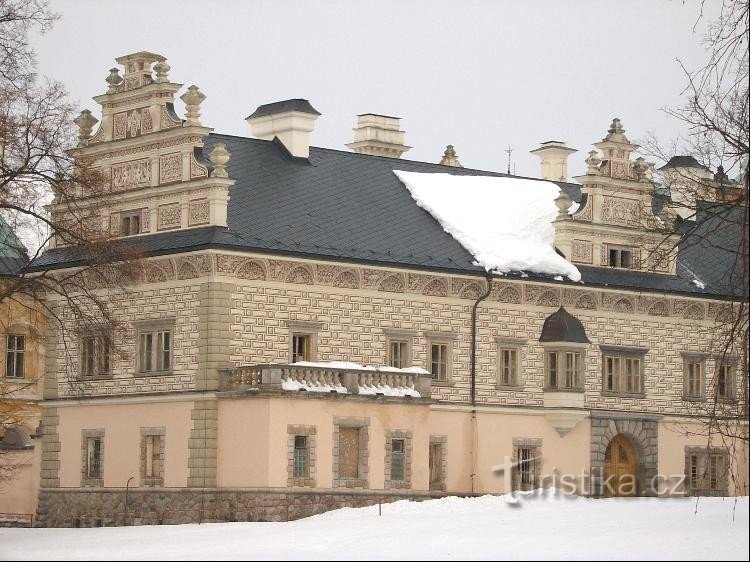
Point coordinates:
[[291, 121], [554, 157], [378, 135]]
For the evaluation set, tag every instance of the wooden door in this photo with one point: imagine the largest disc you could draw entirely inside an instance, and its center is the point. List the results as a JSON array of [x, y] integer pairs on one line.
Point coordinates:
[[620, 468], [349, 452]]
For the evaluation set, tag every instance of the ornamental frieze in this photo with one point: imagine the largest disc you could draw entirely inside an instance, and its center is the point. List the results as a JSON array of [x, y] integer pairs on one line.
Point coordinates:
[[198, 212], [688, 309], [130, 124], [170, 168], [131, 174], [170, 216], [582, 251], [506, 292], [616, 210]]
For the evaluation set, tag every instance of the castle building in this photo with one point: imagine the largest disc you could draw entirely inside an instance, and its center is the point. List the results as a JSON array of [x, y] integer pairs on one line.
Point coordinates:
[[307, 334]]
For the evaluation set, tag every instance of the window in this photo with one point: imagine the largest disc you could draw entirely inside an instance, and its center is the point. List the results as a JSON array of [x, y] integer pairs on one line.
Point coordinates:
[[623, 371], [564, 370], [301, 457], [130, 223], [153, 456], [725, 382], [96, 351], [437, 462], [301, 347], [94, 458], [350, 452], [154, 351], [398, 354], [620, 257], [397, 459], [706, 472], [439, 356], [694, 378], [508, 366], [527, 462], [14, 359]]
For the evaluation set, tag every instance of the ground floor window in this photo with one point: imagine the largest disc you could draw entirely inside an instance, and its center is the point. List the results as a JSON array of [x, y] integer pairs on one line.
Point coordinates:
[[706, 472], [527, 464]]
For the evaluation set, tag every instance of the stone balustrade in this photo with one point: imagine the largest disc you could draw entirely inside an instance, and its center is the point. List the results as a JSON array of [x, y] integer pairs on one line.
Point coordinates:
[[325, 379]]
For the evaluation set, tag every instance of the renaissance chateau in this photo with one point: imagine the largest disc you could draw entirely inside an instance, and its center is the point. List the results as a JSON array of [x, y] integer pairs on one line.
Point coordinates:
[[316, 328]]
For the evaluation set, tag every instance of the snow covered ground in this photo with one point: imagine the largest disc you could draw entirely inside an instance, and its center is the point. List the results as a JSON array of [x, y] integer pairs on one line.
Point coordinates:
[[490, 527]]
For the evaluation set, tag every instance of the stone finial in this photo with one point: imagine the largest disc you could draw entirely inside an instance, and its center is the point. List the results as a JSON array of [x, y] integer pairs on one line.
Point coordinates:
[[720, 176], [563, 202], [640, 168], [161, 69], [450, 158], [85, 122], [593, 162], [113, 80], [193, 99], [616, 127], [219, 157]]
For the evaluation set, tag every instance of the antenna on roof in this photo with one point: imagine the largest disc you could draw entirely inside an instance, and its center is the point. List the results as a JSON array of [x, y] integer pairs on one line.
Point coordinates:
[[509, 151]]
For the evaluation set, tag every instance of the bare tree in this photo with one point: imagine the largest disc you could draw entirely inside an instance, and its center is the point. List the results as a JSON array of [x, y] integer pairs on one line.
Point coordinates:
[[704, 195], [49, 198]]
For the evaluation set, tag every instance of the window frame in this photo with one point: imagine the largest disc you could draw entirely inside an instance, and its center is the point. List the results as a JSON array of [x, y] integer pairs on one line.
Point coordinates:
[[99, 357], [619, 249], [88, 437], [623, 355], [562, 349], [688, 359], [511, 345], [15, 353], [397, 462], [128, 216], [725, 362], [440, 338], [153, 331], [405, 337], [309, 433], [301, 463], [157, 437], [530, 466], [303, 328], [701, 477]]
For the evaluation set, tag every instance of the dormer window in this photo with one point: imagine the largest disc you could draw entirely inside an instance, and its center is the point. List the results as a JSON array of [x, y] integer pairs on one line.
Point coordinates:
[[130, 223], [621, 257]]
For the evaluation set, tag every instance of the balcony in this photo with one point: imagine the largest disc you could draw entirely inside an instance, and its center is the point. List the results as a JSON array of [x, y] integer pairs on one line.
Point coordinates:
[[329, 378]]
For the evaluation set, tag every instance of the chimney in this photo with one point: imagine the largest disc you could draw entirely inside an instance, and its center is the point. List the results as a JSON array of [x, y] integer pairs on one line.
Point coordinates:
[[378, 135], [291, 121], [554, 157]]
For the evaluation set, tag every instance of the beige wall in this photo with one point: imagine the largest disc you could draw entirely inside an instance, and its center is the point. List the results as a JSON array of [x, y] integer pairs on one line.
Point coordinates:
[[19, 483], [122, 440], [253, 438]]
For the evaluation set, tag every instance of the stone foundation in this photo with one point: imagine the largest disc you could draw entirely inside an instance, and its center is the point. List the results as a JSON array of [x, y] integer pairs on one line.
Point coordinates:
[[106, 507]]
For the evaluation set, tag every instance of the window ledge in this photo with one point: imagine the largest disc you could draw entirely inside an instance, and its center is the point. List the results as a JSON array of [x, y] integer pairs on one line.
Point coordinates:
[[351, 483], [615, 394], [301, 482], [694, 398], [571, 390], [152, 374], [398, 484], [509, 387], [20, 380], [102, 377]]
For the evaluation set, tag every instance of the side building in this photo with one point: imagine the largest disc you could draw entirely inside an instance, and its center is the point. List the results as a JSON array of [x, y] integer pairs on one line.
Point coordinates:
[[306, 337]]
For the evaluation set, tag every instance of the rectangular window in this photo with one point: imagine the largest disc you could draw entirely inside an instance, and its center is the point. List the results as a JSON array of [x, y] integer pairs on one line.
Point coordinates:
[[509, 366], [301, 347], [94, 457], [154, 351], [436, 460], [96, 352], [707, 473], [619, 257], [130, 223], [622, 374], [15, 356], [397, 459], [439, 361], [153, 456], [725, 382], [693, 378], [301, 457], [398, 354], [525, 468], [565, 370]]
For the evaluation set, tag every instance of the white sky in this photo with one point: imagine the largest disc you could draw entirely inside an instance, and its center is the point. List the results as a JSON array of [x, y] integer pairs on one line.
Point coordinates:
[[476, 74]]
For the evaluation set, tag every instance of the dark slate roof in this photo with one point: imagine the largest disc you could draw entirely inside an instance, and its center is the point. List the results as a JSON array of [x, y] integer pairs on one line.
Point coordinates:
[[561, 326], [683, 162], [303, 106], [346, 206]]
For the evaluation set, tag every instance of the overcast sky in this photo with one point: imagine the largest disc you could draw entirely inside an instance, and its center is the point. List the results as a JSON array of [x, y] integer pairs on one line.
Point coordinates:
[[480, 75]]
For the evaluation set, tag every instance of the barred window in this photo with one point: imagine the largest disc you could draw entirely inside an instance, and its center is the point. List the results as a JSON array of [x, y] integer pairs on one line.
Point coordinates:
[[525, 472], [301, 457], [397, 459], [15, 356]]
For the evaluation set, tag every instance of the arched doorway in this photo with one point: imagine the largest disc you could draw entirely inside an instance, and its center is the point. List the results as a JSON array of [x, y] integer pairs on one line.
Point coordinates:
[[620, 470]]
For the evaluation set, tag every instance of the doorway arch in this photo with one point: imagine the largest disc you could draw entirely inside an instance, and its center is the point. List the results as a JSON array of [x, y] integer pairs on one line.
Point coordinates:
[[620, 468]]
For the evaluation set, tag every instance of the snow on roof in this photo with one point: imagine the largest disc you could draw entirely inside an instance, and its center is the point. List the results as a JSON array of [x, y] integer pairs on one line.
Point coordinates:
[[504, 222]]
